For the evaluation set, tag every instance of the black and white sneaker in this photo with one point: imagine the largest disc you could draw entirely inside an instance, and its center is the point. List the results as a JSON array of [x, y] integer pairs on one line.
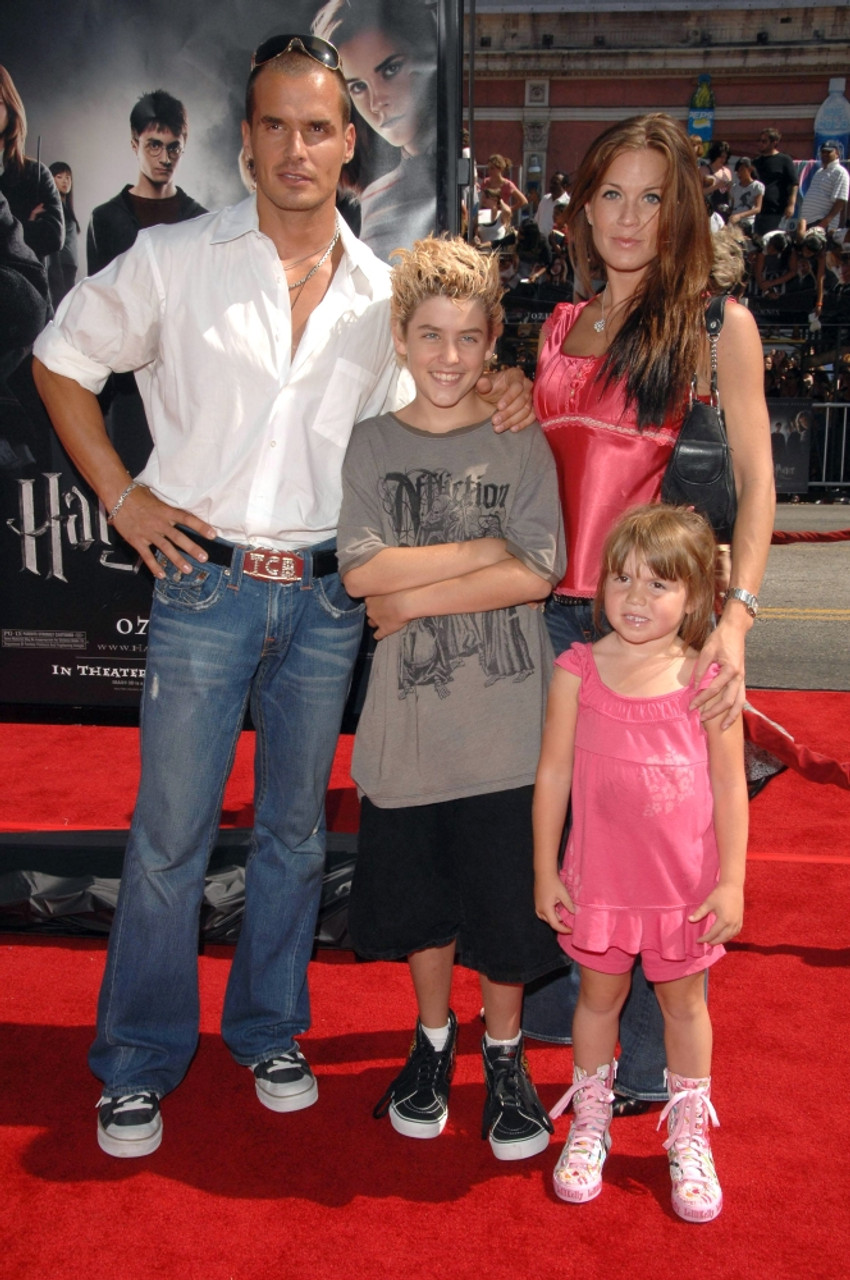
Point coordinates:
[[418, 1098], [514, 1119], [129, 1125], [285, 1082]]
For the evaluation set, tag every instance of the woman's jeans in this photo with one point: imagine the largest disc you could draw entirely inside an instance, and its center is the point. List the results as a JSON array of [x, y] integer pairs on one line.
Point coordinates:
[[550, 1002], [219, 642]]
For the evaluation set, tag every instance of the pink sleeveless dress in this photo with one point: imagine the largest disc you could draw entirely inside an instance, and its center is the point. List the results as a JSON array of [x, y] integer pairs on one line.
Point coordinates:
[[642, 853]]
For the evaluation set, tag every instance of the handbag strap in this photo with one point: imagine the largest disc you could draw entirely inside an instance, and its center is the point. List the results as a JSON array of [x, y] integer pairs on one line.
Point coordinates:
[[714, 314]]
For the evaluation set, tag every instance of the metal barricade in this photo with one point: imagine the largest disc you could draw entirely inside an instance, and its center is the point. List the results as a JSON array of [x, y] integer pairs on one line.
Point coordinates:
[[833, 464]]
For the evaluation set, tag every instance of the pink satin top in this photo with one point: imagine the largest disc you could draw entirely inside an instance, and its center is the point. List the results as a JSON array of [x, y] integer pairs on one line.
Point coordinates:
[[605, 464]]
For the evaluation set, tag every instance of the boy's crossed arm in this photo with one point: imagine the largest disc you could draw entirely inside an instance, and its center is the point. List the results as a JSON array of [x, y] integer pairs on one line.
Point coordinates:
[[402, 568], [466, 577]]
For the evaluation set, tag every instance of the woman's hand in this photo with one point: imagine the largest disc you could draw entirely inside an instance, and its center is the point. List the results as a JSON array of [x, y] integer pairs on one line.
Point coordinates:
[[726, 694]]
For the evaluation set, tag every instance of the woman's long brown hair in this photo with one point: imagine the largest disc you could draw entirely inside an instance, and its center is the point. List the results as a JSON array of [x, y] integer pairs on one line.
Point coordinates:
[[15, 133], [662, 338]]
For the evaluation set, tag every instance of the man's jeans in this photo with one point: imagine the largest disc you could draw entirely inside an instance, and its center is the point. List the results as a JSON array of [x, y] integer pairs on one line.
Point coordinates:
[[550, 1002], [220, 641]]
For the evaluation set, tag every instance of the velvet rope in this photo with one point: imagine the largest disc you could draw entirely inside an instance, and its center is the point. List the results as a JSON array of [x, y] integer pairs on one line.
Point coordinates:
[[782, 537], [811, 765]]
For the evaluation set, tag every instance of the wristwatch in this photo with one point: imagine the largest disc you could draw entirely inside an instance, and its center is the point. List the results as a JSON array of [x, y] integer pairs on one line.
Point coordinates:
[[748, 600]]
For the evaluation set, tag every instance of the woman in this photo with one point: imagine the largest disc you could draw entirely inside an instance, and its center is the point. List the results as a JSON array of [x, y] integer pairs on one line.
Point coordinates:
[[612, 386], [775, 264], [27, 184], [390, 65], [62, 266], [498, 168], [746, 195], [717, 190], [493, 218]]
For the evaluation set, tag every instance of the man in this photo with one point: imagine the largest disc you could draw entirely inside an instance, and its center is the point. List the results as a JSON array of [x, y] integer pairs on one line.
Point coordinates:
[[557, 194], [825, 202], [158, 132], [779, 174], [261, 335]]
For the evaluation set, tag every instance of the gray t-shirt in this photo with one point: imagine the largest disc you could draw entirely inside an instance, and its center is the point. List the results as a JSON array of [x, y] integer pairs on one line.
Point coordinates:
[[455, 704]]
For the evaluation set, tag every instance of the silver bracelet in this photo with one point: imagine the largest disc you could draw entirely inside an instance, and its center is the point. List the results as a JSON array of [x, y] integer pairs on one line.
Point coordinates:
[[134, 484]]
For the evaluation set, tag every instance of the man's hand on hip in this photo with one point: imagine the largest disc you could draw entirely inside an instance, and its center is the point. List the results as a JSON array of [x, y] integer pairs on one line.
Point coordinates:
[[148, 525]]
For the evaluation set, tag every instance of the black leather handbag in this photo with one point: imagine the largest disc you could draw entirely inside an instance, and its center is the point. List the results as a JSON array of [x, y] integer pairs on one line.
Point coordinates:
[[699, 473]]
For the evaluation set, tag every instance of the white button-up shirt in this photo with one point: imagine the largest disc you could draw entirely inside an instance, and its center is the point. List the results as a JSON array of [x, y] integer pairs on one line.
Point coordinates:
[[247, 436]]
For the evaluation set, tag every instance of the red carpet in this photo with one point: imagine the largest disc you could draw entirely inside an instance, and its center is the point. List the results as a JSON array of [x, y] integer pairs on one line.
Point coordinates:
[[84, 777], [237, 1193]]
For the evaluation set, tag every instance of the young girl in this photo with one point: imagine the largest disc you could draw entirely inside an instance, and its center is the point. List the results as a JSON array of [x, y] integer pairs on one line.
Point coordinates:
[[655, 860]]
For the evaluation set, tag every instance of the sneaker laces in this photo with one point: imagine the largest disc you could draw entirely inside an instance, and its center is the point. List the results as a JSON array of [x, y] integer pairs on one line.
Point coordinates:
[[512, 1089], [283, 1061], [422, 1071], [129, 1102], [585, 1144], [688, 1144]]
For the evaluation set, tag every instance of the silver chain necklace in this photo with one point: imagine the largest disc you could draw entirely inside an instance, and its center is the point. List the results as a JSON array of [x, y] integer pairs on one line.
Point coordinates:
[[299, 284]]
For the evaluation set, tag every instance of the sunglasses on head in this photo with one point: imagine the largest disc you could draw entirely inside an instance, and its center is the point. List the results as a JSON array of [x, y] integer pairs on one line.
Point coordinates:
[[314, 47]]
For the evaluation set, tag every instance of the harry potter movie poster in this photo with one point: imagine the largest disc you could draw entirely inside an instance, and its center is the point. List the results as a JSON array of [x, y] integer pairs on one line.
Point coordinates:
[[74, 604]]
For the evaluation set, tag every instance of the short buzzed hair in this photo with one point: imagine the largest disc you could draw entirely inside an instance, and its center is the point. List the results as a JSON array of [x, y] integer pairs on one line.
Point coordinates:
[[294, 63], [159, 108]]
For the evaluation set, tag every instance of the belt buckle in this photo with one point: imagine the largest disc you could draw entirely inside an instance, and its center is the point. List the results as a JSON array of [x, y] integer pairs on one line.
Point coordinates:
[[273, 566]]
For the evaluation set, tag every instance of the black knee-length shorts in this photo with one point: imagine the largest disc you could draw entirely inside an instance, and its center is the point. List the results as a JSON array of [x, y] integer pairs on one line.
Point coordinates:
[[463, 869]]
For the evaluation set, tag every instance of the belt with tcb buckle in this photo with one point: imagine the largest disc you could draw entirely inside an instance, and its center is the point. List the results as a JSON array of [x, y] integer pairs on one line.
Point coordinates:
[[266, 564]]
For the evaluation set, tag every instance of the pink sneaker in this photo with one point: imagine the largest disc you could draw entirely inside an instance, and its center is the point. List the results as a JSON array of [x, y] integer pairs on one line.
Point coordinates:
[[578, 1174], [696, 1191]]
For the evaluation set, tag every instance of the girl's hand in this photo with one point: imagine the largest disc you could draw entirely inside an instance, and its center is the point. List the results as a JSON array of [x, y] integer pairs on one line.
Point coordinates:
[[550, 894], [726, 902]]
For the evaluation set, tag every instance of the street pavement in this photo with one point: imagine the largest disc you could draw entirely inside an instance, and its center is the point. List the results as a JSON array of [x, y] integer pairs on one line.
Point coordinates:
[[801, 638]]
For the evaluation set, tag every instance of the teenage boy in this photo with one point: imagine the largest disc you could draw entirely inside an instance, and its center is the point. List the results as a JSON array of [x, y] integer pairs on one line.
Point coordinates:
[[158, 132], [449, 533]]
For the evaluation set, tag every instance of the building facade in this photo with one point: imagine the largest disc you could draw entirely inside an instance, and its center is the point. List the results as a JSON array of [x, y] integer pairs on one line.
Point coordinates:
[[548, 79]]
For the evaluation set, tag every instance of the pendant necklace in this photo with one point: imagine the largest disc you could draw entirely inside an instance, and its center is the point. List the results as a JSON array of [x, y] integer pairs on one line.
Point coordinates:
[[599, 325], [299, 284]]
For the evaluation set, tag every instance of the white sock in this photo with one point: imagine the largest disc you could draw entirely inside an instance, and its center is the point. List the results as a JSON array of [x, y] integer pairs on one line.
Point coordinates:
[[509, 1044], [437, 1035]]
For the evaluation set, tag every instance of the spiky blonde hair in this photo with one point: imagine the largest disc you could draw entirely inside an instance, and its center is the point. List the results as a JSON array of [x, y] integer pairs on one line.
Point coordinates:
[[445, 267]]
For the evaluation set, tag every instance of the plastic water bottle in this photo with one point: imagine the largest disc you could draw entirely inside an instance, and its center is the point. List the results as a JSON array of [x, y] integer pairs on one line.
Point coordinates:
[[832, 122]]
